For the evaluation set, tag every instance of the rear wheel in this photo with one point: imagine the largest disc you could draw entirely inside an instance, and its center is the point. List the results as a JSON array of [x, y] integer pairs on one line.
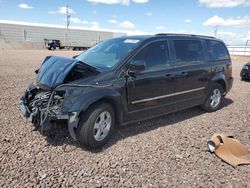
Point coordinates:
[[214, 98], [96, 125]]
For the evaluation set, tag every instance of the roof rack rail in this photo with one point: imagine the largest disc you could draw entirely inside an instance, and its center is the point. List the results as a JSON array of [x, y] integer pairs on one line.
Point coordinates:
[[180, 34]]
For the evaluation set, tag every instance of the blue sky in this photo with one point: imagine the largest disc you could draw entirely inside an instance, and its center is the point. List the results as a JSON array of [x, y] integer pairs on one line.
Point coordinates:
[[232, 17]]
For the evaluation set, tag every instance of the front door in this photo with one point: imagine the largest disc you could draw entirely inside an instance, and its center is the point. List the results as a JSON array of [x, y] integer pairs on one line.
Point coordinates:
[[147, 92]]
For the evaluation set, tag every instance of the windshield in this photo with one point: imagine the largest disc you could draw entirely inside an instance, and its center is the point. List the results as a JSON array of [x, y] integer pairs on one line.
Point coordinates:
[[108, 53]]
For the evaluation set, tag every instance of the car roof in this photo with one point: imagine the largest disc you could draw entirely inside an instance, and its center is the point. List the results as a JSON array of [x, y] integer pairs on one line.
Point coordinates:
[[184, 35], [163, 35]]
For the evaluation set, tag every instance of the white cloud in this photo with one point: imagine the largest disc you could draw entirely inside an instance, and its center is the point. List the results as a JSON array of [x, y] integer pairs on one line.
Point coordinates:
[[95, 25], [224, 3], [187, 21], [75, 20], [227, 34], [63, 10], [149, 13], [219, 21], [127, 25], [123, 2], [25, 6], [140, 1], [159, 27], [85, 22], [232, 38], [113, 21], [246, 37]]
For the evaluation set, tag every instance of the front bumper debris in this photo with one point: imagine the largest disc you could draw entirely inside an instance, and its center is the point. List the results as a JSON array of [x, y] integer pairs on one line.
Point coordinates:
[[24, 109], [34, 107]]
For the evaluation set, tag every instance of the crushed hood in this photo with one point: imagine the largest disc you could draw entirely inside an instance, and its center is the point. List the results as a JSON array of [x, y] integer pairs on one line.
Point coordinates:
[[58, 70]]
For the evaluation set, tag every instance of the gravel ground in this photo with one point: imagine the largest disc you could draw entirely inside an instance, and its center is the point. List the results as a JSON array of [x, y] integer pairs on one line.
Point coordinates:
[[167, 151]]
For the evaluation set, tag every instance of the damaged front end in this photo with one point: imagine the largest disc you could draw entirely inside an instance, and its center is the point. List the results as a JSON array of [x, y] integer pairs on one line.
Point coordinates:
[[44, 103], [39, 106]]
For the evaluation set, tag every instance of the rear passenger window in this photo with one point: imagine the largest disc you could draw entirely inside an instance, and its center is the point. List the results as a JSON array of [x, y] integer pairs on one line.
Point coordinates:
[[216, 51], [188, 51], [155, 56]]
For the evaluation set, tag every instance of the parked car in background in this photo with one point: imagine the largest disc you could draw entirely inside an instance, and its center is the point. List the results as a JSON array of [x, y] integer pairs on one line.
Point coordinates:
[[128, 79], [245, 72]]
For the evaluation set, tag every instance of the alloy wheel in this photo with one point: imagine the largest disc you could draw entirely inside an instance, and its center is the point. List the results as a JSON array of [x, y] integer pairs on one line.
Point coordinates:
[[102, 126], [215, 98]]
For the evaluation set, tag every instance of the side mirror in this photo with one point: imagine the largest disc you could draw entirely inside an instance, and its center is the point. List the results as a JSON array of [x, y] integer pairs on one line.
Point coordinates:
[[136, 66]]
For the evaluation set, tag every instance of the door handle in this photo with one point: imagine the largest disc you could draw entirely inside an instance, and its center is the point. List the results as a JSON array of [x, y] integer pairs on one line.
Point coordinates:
[[183, 74], [169, 76]]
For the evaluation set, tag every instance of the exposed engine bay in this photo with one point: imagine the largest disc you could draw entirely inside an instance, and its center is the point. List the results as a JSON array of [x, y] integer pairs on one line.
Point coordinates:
[[79, 71], [42, 103], [39, 105]]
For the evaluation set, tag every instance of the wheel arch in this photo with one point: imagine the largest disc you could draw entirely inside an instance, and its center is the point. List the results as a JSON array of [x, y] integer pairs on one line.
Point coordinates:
[[220, 79], [115, 105], [110, 97], [222, 83]]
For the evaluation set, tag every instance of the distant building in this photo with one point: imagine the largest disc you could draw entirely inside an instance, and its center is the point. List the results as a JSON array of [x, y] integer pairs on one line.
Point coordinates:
[[15, 34]]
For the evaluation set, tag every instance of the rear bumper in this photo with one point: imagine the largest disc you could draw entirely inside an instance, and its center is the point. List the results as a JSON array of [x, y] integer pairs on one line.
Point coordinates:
[[229, 83]]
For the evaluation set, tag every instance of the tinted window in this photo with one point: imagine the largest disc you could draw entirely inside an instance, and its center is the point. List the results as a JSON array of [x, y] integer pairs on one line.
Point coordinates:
[[216, 50], [155, 55], [188, 51]]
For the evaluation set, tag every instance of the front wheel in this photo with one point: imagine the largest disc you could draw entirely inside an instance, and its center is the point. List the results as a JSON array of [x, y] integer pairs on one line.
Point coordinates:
[[214, 98], [96, 125]]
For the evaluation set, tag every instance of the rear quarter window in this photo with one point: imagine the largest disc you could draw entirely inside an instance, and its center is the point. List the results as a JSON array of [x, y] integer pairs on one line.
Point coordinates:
[[216, 51]]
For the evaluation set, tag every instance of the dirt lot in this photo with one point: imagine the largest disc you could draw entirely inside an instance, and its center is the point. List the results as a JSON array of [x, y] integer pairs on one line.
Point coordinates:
[[167, 151]]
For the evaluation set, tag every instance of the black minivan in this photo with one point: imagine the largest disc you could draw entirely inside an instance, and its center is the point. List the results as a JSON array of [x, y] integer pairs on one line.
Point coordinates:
[[127, 79]]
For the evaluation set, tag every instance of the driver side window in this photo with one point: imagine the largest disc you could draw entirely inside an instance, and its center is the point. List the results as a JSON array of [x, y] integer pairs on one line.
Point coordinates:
[[155, 55]]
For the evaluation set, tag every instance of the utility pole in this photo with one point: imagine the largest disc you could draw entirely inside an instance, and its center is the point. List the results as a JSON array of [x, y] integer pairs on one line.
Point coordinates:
[[247, 41], [216, 31], [68, 22]]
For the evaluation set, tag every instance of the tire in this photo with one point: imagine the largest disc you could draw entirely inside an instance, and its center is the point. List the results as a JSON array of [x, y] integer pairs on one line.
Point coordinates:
[[214, 98], [96, 125]]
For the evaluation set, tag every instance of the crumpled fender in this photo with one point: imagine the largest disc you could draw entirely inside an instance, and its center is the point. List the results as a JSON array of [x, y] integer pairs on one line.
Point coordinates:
[[78, 99], [88, 96]]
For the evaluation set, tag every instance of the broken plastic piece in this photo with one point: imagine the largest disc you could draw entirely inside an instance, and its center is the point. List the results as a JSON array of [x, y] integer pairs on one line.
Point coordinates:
[[229, 149]]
